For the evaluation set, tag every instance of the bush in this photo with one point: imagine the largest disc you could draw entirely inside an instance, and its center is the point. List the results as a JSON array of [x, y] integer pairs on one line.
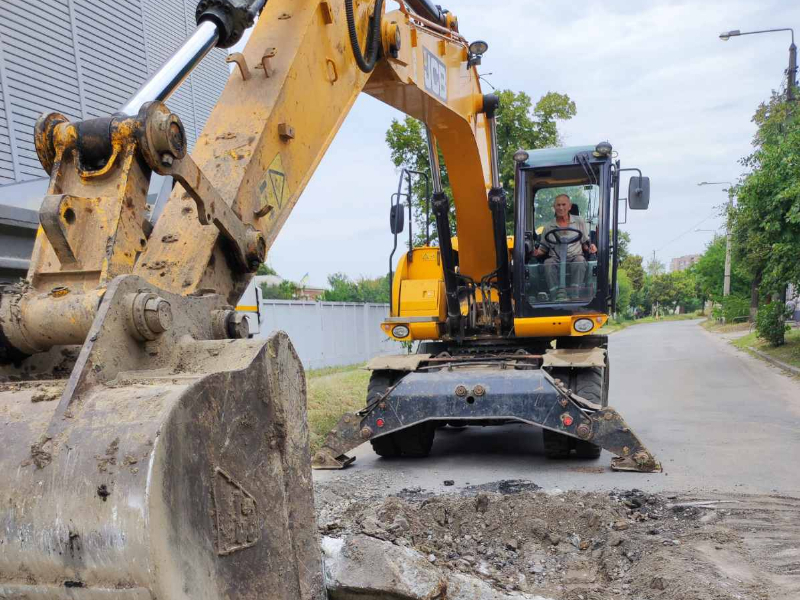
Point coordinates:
[[735, 307], [771, 323]]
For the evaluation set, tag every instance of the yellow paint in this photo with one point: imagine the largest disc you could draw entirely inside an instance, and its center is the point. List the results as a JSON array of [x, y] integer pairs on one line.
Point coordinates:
[[422, 298], [556, 326], [245, 308], [407, 294]]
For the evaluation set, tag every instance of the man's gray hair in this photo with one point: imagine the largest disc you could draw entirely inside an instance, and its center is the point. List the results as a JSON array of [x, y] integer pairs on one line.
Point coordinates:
[[562, 196]]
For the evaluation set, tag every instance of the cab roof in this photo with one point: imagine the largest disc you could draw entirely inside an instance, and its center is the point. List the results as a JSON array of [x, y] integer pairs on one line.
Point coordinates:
[[553, 157]]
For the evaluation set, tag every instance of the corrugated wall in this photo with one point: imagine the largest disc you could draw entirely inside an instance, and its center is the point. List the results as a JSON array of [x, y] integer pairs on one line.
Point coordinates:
[[330, 334], [85, 58]]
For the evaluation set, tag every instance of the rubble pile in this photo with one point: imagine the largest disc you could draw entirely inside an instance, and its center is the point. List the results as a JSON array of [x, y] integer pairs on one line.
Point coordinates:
[[555, 544]]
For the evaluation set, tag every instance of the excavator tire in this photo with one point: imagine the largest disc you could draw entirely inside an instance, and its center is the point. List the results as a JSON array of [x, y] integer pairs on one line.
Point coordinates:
[[592, 384], [413, 442]]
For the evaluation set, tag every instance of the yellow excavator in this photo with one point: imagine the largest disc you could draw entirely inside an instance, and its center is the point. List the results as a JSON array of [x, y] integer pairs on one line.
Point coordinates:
[[150, 448]]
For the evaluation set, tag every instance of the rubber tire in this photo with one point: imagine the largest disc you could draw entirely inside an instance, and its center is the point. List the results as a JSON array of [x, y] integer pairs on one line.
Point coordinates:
[[379, 382], [589, 383], [415, 441], [592, 384], [556, 445]]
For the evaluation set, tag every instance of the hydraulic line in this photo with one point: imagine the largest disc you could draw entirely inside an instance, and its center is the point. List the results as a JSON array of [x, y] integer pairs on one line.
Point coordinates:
[[366, 64]]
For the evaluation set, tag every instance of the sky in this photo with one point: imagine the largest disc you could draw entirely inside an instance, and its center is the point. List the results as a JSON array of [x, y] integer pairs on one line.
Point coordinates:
[[653, 78]]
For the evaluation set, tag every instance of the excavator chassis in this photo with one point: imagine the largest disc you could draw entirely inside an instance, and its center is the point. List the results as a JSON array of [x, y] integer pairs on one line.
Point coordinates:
[[486, 393], [174, 468]]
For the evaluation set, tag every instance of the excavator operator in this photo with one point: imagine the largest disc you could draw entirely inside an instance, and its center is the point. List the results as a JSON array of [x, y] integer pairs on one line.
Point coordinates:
[[564, 227]]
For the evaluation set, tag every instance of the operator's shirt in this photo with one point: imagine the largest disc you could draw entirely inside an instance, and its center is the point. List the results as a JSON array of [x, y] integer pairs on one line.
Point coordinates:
[[575, 248]]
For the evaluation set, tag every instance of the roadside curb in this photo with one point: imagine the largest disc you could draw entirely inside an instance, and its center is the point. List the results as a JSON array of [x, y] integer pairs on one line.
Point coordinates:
[[775, 361]]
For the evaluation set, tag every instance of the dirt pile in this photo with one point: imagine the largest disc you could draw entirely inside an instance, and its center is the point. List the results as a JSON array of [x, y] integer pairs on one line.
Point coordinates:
[[584, 546]]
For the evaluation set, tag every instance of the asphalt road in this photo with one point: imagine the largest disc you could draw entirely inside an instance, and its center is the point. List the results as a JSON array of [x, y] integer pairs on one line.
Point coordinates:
[[718, 420]]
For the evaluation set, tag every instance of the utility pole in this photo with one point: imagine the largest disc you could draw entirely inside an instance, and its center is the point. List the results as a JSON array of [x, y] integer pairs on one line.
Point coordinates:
[[792, 80], [726, 286]]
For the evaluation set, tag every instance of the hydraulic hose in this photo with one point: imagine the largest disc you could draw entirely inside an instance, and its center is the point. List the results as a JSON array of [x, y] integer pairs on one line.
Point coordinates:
[[366, 64]]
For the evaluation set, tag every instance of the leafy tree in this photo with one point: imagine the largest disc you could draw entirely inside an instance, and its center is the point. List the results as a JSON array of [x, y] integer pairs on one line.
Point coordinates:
[[766, 221], [655, 267], [625, 294], [710, 273], [673, 290], [632, 265], [285, 290], [344, 289], [520, 124]]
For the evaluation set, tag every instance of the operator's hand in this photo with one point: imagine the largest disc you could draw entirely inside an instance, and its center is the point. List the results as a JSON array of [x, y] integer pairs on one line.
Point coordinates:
[[539, 252], [592, 249]]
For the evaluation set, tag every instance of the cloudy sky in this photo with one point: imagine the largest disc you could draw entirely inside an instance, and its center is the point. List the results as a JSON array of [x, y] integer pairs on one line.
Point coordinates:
[[651, 77]]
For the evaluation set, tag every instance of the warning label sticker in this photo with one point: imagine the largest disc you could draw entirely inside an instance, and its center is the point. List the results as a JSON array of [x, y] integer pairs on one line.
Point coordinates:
[[272, 191]]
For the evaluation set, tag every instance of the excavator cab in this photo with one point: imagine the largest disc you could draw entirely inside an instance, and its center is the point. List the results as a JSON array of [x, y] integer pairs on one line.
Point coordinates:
[[564, 277]]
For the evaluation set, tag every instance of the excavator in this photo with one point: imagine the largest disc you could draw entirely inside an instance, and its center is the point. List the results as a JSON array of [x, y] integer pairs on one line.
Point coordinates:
[[151, 448]]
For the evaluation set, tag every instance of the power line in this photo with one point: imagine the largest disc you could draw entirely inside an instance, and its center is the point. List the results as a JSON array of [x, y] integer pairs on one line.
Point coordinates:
[[690, 230]]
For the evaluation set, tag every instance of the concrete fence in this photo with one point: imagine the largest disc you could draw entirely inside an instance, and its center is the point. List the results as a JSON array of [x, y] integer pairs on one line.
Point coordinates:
[[329, 334]]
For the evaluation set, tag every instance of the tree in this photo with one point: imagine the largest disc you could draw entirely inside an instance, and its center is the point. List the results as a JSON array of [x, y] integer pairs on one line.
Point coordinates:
[[520, 124], [624, 242], [625, 293], [710, 273], [655, 267], [632, 265], [673, 290], [344, 289], [766, 220], [285, 290]]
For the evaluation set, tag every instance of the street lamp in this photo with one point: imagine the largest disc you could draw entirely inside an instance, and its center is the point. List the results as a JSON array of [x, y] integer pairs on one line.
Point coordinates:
[[790, 83], [726, 286]]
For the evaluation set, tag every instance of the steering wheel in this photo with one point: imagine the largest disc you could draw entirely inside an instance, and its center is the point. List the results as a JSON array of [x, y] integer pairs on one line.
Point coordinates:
[[556, 241]]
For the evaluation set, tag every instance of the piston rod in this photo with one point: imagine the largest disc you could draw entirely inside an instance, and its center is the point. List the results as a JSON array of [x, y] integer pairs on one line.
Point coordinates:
[[173, 73]]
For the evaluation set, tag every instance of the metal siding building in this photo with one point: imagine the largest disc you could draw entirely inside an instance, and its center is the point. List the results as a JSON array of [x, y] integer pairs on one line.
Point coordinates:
[[85, 58]]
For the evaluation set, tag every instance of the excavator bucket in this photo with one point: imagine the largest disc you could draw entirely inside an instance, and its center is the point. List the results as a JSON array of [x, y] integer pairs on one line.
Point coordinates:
[[487, 395], [176, 468]]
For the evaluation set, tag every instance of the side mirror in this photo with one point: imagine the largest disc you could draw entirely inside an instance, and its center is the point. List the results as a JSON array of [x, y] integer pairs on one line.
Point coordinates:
[[639, 193], [397, 218]]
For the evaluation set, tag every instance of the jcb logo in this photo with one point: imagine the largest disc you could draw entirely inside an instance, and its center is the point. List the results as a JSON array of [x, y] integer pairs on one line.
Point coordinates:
[[435, 75]]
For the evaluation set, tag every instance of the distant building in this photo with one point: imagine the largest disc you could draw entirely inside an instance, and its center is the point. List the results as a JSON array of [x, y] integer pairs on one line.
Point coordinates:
[[683, 262]]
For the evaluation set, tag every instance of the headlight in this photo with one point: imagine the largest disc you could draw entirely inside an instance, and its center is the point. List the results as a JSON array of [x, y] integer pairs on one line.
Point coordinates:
[[401, 331], [583, 325]]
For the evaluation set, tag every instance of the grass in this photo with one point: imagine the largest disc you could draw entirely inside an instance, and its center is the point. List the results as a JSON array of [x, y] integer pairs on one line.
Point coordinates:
[[613, 326], [331, 393], [717, 327], [788, 353]]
